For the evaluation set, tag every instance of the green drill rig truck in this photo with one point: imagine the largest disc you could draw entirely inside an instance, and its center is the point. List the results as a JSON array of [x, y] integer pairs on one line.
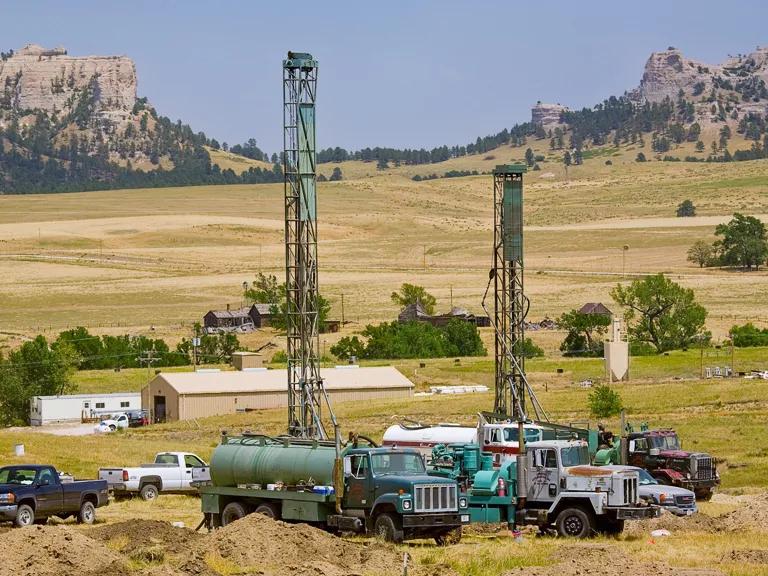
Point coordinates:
[[561, 491], [384, 491]]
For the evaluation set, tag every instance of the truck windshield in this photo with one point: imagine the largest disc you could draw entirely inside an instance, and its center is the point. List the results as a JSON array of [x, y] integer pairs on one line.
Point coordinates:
[[665, 442], [14, 475], [531, 434], [645, 478], [574, 456], [397, 463]]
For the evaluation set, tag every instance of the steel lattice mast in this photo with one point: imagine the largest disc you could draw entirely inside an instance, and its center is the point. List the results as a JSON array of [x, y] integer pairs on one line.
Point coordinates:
[[510, 303], [306, 392]]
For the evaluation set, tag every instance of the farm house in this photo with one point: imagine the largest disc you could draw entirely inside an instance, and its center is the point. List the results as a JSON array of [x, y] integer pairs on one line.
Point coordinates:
[[188, 395], [78, 407]]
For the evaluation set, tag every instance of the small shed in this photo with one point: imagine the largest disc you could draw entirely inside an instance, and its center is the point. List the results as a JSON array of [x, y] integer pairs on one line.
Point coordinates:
[[261, 315], [595, 308], [79, 407], [227, 320], [243, 360], [187, 395]]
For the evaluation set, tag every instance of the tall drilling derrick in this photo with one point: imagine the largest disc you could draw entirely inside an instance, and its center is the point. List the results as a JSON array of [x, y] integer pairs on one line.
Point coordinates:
[[510, 303], [306, 393]]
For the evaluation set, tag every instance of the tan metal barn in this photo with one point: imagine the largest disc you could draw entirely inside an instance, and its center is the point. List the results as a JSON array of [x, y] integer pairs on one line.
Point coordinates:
[[188, 395]]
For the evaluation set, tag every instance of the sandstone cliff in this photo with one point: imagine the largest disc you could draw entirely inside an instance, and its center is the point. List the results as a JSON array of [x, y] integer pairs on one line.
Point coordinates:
[[547, 115], [38, 79]]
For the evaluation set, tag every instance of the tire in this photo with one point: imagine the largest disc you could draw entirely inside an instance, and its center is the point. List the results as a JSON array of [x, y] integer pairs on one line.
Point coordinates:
[[25, 516], [705, 495], [575, 523], [387, 527], [449, 537], [112, 427], [87, 513], [232, 512], [611, 527], [268, 509], [149, 492]]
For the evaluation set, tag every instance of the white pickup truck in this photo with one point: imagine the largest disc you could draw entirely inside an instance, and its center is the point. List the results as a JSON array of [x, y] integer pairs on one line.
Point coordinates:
[[170, 472]]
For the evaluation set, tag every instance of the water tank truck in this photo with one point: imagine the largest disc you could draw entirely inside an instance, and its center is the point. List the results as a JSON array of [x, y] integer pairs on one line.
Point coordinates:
[[564, 492], [380, 490]]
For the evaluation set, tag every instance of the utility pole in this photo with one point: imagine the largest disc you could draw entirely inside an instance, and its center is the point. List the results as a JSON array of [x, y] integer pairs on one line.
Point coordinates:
[[148, 358], [451, 296], [342, 308], [424, 252], [624, 250]]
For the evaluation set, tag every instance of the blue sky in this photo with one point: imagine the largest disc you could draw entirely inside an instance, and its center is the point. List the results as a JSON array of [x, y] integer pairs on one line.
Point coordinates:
[[397, 73]]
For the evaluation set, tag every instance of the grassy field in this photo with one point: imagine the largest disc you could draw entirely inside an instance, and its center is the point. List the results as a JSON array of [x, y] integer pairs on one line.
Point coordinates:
[[154, 261]]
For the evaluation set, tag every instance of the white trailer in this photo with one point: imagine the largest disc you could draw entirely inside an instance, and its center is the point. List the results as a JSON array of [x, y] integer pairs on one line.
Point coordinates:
[[79, 407]]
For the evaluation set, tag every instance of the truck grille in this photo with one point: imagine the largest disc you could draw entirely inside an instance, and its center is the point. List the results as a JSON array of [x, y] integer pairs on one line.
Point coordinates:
[[685, 500], [630, 490], [704, 468], [435, 498]]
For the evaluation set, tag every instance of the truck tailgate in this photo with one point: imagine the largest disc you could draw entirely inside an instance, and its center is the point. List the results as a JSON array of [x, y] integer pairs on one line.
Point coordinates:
[[113, 476]]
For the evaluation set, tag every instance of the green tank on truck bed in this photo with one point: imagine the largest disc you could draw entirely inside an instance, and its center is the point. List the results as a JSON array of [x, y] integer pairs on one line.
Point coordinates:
[[383, 491]]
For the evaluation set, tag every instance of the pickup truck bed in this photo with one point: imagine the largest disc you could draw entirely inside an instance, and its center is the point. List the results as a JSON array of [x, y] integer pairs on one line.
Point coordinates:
[[31, 494]]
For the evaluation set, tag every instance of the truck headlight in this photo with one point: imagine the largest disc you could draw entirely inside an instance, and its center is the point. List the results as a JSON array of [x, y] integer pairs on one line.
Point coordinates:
[[7, 498], [407, 504], [463, 503]]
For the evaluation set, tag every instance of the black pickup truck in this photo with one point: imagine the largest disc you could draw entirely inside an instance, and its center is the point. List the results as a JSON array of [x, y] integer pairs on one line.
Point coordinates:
[[30, 494]]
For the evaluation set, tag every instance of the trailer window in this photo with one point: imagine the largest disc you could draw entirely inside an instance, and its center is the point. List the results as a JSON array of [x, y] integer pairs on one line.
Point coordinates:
[[99, 404]]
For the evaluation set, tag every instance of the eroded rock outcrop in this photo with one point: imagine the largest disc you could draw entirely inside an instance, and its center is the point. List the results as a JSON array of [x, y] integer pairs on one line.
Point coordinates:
[[51, 80]]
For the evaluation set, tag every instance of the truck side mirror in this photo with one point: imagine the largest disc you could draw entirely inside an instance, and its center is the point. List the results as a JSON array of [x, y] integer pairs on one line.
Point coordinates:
[[347, 467]]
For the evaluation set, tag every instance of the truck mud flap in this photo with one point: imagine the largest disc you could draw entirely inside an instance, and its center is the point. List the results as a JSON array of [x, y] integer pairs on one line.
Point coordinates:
[[638, 513], [433, 520]]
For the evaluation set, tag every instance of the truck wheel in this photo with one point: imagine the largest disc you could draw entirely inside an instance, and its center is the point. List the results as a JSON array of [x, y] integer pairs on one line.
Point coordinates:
[[704, 495], [149, 492], [574, 523], [25, 516], [87, 513], [269, 510], [388, 528], [448, 538], [610, 526], [232, 511]]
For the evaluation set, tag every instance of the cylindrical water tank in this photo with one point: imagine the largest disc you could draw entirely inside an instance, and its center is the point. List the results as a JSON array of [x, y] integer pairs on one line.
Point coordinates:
[[251, 460]]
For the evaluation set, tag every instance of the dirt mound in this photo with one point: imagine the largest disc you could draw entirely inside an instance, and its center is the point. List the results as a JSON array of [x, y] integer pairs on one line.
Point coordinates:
[[142, 535], [697, 523], [748, 556], [54, 551], [605, 560], [752, 514], [278, 549]]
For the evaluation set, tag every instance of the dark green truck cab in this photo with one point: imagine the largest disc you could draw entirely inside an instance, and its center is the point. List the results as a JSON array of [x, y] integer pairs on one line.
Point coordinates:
[[383, 491]]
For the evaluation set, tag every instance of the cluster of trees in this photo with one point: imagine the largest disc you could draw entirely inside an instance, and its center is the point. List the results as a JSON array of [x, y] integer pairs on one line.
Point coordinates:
[[749, 335], [515, 136], [78, 151], [660, 314], [743, 243], [412, 340], [37, 368], [267, 290]]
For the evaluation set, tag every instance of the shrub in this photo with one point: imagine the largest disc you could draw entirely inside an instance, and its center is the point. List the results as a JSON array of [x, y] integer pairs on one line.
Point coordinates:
[[640, 157], [348, 346], [280, 357], [604, 401], [749, 335]]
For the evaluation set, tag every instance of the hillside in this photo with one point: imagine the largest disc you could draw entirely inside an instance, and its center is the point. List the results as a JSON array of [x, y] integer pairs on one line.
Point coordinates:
[[75, 123]]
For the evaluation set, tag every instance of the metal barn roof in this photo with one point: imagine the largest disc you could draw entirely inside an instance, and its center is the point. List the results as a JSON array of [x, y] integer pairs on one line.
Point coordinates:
[[90, 396], [190, 383]]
